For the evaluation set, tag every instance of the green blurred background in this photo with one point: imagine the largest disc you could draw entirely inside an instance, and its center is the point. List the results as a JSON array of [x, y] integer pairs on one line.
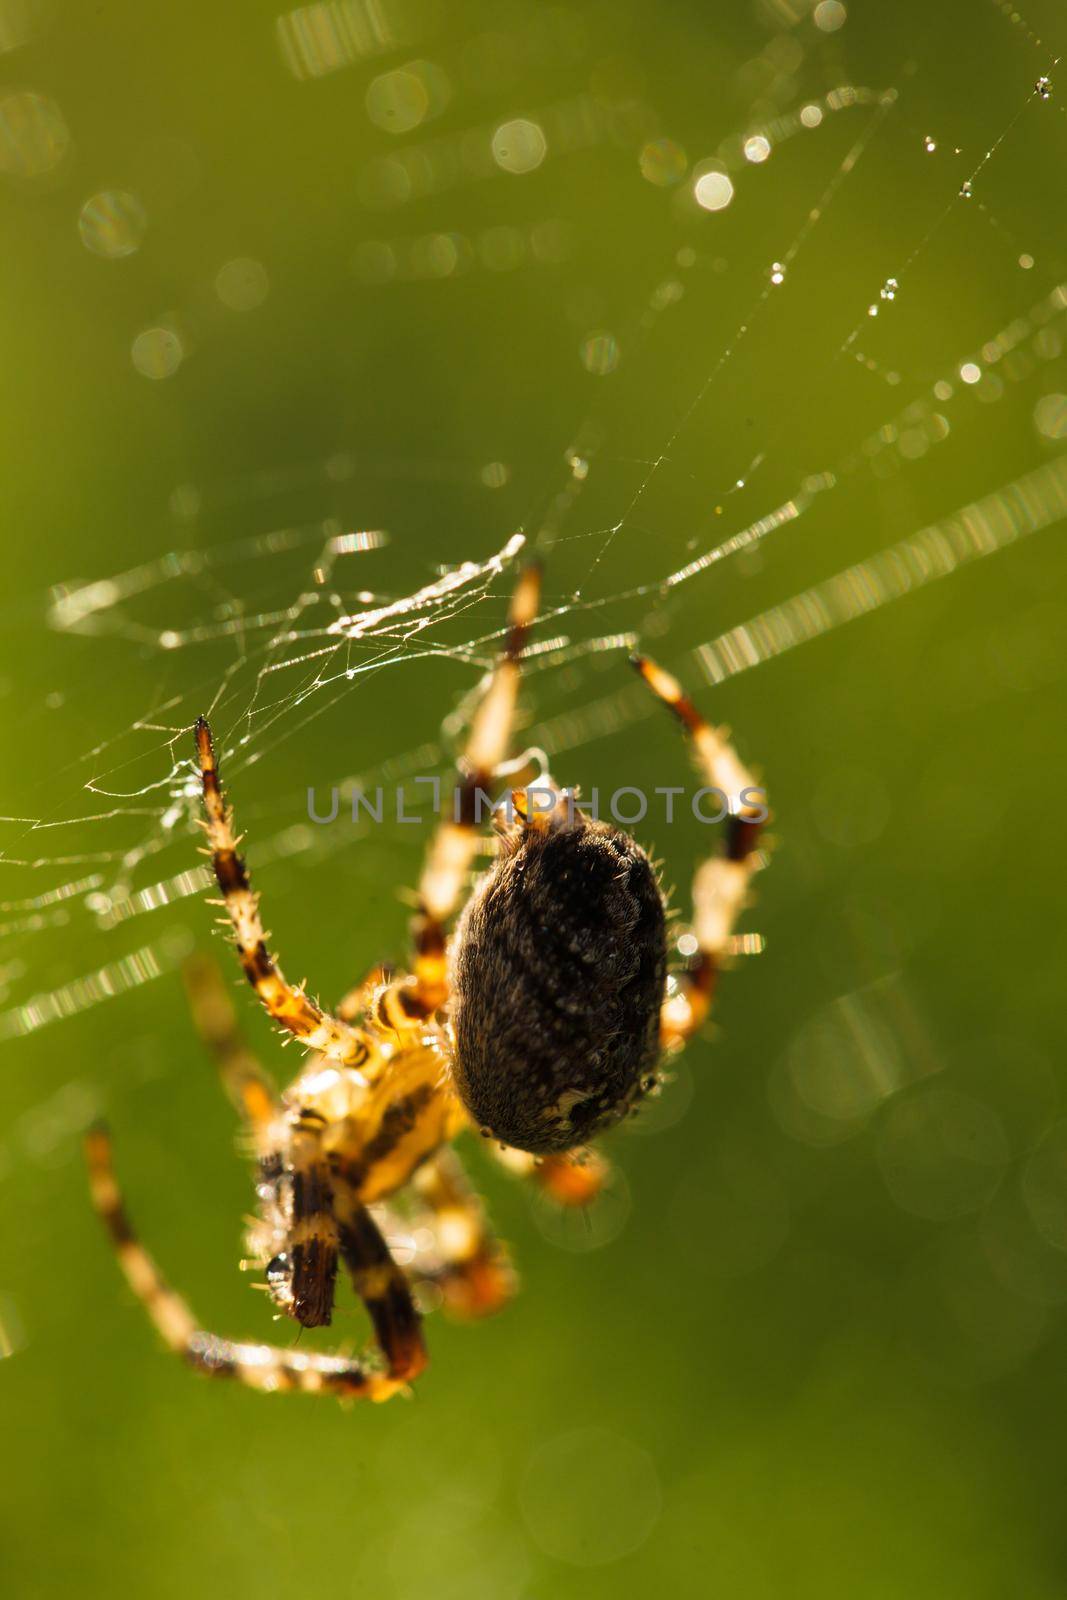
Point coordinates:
[[264, 273]]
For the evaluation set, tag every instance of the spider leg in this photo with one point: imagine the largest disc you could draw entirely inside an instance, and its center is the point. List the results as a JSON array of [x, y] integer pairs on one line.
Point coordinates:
[[475, 1274], [455, 842], [312, 1241], [290, 1007], [260, 1366], [287, 1147], [574, 1178], [355, 1003], [215, 1019], [381, 1285], [720, 885]]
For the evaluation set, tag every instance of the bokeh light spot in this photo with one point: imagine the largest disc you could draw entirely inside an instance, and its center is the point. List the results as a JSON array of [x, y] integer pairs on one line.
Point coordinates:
[[590, 1497], [324, 37], [662, 162], [242, 284], [501, 249], [843, 1062], [829, 15], [157, 352], [34, 138], [736, 1208], [1044, 1186], [551, 240], [582, 1229], [850, 805], [19, 20], [959, 1319], [941, 1153], [1050, 416], [374, 261], [435, 255], [442, 1549], [600, 352], [519, 146], [400, 100], [713, 191], [112, 224], [385, 183]]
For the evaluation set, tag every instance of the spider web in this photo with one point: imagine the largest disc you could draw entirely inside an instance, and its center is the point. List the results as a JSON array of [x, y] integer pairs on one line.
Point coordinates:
[[268, 633]]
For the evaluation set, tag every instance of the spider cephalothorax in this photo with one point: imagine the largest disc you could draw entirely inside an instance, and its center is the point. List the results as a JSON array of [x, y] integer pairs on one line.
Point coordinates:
[[539, 1022], [558, 972]]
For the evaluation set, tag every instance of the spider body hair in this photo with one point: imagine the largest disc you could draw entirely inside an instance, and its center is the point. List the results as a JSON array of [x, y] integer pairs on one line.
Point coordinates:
[[558, 973]]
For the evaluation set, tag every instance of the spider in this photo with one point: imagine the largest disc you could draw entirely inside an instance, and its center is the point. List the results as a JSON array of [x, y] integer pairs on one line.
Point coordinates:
[[540, 1022]]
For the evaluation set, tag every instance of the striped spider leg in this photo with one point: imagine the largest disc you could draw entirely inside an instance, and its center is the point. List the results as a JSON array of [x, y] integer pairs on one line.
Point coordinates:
[[573, 1180], [721, 883], [287, 1004], [455, 844], [287, 1206], [261, 1366], [283, 1217], [312, 1255], [471, 1268]]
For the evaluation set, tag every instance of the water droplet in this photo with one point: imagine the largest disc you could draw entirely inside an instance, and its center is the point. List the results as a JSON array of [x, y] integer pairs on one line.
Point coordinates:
[[777, 272], [889, 289], [872, 311], [965, 190], [970, 372], [278, 1268], [929, 144], [811, 115], [1043, 88], [1026, 262], [757, 148]]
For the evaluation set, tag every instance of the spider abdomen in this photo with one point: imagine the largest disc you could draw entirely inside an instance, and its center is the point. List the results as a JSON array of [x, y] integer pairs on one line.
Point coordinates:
[[558, 970]]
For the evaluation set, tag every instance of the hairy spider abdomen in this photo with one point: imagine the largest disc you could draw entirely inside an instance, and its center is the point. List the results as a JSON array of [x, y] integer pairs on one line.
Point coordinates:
[[559, 964]]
